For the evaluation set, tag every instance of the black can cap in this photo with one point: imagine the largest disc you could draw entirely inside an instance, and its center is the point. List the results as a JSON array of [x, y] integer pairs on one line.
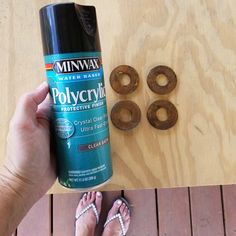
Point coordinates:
[[68, 28]]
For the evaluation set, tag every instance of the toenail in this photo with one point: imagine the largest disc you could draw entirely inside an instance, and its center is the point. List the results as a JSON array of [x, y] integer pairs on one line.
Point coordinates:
[[118, 202], [99, 194]]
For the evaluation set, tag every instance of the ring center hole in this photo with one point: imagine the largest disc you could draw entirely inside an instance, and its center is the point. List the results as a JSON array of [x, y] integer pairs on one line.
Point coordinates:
[[125, 115], [162, 114], [124, 79], [161, 80]]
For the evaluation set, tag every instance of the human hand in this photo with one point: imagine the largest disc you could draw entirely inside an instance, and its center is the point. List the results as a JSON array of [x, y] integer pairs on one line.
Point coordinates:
[[29, 168]]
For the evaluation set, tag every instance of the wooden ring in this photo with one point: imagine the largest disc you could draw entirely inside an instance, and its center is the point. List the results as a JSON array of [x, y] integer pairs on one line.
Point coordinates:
[[161, 70], [134, 111], [115, 79], [172, 114]]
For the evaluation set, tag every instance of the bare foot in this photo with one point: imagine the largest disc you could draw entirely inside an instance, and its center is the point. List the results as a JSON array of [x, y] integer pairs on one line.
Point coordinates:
[[86, 223], [114, 228]]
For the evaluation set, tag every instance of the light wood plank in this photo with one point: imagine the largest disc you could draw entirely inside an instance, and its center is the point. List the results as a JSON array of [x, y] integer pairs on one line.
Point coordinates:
[[195, 38], [206, 211], [229, 200], [174, 212], [143, 212], [38, 219], [64, 208]]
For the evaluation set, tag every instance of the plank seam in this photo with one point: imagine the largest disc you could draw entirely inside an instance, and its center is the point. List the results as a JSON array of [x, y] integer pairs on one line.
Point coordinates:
[[157, 215], [223, 208], [122, 193], [51, 211], [190, 211]]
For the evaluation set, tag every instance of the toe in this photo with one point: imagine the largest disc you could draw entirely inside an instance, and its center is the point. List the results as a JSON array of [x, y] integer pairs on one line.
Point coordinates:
[[126, 214], [89, 196], [125, 211], [98, 201], [126, 218], [84, 198], [80, 203], [92, 199], [115, 208], [80, 206], [122, 208]]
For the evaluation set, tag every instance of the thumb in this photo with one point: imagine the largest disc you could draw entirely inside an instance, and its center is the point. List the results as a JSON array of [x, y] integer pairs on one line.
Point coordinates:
[[29, 102]]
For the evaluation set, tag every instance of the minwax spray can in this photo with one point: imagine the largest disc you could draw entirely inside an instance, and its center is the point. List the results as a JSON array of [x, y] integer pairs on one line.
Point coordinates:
[[79, 112]]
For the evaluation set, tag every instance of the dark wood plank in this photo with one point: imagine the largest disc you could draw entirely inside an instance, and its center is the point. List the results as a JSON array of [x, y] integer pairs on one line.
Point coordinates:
[[108, 199], [143, 210], [206, 211], [38, 219], [64, 208], [229, 200], [174, 212]]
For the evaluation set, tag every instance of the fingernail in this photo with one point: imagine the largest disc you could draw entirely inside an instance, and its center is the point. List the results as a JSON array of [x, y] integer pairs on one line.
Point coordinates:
[[99, 194], [118, 202]]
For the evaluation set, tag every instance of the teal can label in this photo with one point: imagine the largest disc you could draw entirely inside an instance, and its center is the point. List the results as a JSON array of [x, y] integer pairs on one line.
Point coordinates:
[[79, 119]]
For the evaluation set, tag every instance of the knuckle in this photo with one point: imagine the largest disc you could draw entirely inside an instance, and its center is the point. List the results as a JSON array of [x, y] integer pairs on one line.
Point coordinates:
[[20, 125], [25, 98]]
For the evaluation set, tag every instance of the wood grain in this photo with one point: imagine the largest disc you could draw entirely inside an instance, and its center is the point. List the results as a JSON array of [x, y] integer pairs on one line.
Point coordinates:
[[143, 212], [195, 38], [206, 211], [38, 219], [174, 212], [64, 208], [229, 200]]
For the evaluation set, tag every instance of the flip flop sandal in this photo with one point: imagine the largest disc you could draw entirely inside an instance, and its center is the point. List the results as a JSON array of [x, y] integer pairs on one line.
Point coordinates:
[[95, 211], [119, 216]]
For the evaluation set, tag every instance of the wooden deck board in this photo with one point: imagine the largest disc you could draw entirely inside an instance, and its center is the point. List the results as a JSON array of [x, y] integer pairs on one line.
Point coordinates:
[[108, 199], [206, 210], [38, 219], [174, 212], [143, 212], [64, 208], [229, 200]]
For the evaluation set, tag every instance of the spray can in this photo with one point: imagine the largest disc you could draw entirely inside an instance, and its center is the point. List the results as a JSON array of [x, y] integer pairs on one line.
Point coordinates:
[[75, 76]]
